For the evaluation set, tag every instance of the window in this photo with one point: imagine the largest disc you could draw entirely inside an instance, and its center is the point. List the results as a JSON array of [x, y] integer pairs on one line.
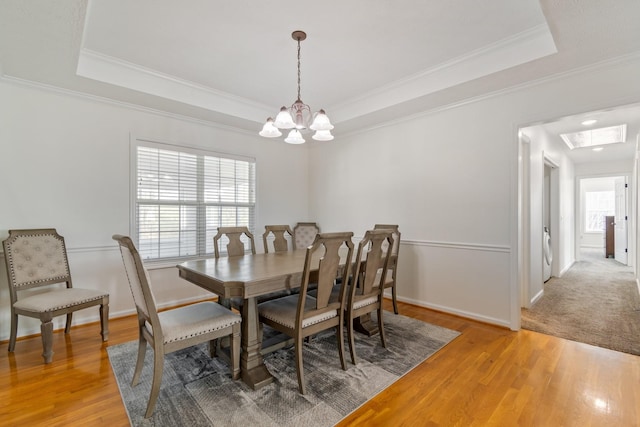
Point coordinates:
[[598, 204], [183, 195], [593, 137]]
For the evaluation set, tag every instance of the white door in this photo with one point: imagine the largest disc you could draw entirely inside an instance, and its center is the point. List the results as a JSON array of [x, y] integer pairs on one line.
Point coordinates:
[[620, 229]]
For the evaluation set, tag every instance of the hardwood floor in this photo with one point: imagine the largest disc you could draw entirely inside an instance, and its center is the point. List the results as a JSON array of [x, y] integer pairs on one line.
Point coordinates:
[[487, 376]]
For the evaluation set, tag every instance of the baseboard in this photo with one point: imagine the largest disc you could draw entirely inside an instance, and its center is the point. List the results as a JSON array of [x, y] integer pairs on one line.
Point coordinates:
[[537, 297], [456, 312], [564, 270]]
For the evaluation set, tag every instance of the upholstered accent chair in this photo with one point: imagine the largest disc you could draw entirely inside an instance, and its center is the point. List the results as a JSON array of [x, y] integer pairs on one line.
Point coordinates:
[[390, 278], [37, 258], [280, 235], [174, 329], [302, 315], [235, 247], [304, 233], [367, 286]]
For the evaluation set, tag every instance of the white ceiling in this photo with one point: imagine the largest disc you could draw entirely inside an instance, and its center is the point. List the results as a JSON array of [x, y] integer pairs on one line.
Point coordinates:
[[234, 62]]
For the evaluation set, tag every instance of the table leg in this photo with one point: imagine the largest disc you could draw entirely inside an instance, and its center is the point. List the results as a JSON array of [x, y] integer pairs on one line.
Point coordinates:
[[254, 372]]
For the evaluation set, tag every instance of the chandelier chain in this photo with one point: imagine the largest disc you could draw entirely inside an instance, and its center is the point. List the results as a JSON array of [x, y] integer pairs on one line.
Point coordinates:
[[298, 68]]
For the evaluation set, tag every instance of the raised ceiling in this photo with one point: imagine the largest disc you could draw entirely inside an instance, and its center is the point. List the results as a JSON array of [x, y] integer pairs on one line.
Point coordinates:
[[233, 62]]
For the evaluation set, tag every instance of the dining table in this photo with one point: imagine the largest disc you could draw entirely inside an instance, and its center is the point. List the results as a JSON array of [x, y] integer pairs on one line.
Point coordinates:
[[249, 277]]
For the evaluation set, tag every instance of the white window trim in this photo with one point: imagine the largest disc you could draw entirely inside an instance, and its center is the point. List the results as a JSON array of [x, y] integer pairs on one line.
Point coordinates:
[[135, 142]]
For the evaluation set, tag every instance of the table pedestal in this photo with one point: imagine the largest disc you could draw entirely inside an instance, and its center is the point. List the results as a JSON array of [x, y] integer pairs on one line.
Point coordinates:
[[365, 325]]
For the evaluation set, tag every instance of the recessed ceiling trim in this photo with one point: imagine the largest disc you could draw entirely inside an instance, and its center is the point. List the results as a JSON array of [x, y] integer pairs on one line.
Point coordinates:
[[520, 48], [107, 69], [523, 47]]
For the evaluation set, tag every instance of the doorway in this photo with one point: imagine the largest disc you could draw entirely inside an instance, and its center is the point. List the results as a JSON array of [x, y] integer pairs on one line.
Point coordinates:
[[602, 224], [543, 155]]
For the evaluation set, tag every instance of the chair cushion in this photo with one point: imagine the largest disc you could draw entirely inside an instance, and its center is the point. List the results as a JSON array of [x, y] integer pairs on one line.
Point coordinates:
[[193, 320], [283, 311], [364, 302], [57, 299]]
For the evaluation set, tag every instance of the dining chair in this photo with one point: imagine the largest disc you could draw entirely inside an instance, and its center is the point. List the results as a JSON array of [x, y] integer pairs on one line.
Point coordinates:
[[37, 258], [304, 233], [365, 293], [301, 315], [235, 247], [390, 277], [280, 239], [173, 329]]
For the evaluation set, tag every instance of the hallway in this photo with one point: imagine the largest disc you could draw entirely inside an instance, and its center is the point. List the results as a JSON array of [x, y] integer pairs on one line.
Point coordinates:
[[596, 302]]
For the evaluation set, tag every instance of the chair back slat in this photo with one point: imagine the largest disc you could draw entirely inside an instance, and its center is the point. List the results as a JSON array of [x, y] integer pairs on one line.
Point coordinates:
[[280, 238], [372, 261], [234, 236], [396, 237], [331, 266]]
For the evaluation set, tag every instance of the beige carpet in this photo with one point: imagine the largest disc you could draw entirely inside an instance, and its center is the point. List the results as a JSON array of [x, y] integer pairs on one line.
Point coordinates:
[[595, 302]]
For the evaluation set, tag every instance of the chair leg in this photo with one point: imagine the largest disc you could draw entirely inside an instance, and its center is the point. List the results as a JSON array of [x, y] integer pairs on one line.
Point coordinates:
[[235, 352], [158, 365], [213, 348], [67, 327], [340, 336], [381, 326], [46, 328], [142, 350], [352, 343], [14, 331], [394, 295], [299, 367], [104, 320]]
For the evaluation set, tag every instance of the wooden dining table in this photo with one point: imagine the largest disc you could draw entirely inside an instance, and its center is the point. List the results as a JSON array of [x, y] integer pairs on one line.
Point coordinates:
[[249, 277]]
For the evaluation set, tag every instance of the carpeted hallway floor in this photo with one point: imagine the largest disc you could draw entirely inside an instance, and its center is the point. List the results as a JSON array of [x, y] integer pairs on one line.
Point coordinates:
[[595, 302]]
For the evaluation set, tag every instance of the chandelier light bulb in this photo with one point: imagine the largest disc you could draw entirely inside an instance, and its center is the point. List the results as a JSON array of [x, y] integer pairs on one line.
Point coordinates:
[[294, 137], [269, 130], [284, 119], [322, 135], [321, 122]]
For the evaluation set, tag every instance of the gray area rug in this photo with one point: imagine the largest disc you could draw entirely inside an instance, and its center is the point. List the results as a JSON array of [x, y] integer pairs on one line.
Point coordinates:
[[198, 391], [596, 302]]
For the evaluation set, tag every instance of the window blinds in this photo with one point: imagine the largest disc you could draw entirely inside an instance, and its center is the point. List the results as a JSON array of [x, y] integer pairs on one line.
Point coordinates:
[[182, 197]]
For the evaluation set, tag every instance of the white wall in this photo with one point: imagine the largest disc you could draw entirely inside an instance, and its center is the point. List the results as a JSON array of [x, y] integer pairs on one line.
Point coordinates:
[[65, 164], [449, 179]]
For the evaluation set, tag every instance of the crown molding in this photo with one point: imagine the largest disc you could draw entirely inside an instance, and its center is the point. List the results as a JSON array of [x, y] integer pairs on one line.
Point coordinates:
[[610, 62], [523, 47], [107, 69], [17, 81]]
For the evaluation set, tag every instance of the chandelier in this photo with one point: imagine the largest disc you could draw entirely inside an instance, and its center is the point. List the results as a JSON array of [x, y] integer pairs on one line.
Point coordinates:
[[298, 116]]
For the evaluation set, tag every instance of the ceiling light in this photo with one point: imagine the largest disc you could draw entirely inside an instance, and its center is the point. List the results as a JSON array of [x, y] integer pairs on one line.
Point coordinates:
[[598, 149], [601, 136], [298, 116], [589, 122]]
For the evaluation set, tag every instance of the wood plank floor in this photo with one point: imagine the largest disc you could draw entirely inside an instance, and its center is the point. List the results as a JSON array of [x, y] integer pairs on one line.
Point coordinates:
[[487, 376]]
